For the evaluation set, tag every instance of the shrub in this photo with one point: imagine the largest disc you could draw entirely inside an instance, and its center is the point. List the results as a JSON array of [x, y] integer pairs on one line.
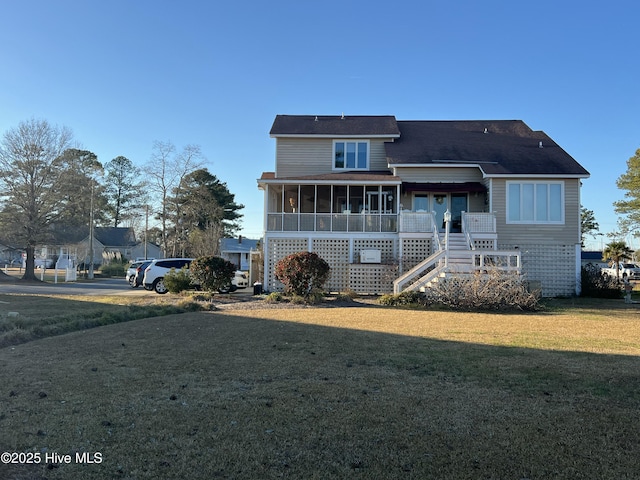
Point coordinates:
[[302, 272], [212, 273], [596, 285], [274, 297], [114, 269], [496, 290], [407, 298], [177, 281]]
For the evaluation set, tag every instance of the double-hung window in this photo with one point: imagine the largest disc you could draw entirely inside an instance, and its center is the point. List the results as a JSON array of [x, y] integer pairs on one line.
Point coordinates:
[[351, 155], [535, 202]]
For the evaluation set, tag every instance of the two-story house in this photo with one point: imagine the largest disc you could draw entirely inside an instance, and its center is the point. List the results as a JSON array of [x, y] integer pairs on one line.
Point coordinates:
[[392, 204]]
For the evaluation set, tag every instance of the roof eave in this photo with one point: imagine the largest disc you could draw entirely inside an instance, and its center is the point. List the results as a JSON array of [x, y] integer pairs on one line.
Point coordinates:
[[328, 135], [308, 181], [535, 175]]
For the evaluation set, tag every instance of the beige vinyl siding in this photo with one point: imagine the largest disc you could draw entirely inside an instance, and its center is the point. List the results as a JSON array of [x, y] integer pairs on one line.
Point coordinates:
[[538, 233], [314, 156], [377, 156], [438, 174], [297, 156]]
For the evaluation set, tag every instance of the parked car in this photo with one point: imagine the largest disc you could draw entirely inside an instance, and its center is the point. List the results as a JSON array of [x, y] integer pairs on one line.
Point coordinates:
[[43, 262], [131, 271], [627, 271], [239, 280], [136, 280], [157, 269]]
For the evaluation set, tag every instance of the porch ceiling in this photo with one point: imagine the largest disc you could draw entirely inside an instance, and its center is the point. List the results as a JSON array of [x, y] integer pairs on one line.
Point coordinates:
[[460, 187]]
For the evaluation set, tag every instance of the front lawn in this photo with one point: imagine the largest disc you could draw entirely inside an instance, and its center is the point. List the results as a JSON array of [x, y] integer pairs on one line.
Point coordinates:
[[362, 392]]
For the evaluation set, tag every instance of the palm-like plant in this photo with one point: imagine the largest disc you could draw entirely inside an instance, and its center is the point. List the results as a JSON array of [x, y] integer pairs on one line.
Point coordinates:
[[616, 252]]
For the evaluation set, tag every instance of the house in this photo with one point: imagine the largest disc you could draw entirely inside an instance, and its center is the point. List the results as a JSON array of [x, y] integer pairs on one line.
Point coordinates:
[[238, 251], [589, 257], [115, 243], [9, 255], [391, 205]]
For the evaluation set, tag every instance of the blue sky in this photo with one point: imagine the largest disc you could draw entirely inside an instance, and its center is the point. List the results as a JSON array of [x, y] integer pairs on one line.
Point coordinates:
[[123, 74]]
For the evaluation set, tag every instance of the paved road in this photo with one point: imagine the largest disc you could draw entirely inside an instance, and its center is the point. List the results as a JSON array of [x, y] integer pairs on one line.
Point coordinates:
[[101, 286]]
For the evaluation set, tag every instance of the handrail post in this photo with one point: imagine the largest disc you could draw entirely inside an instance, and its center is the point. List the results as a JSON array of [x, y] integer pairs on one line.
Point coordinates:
[[447, 222]]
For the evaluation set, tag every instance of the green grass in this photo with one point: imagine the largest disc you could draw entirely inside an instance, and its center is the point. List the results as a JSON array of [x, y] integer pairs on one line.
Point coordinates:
[[364, 392]]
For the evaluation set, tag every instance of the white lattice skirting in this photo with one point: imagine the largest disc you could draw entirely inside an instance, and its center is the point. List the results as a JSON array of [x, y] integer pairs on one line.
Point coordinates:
[[554, 266], [342, 255]]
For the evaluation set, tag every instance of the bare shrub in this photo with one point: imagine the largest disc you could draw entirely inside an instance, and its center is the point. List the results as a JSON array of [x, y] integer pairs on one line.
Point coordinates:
[[494, 290]]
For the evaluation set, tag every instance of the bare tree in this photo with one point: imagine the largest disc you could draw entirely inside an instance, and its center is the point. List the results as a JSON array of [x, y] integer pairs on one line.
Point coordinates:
[[29, 174], [165, 172]]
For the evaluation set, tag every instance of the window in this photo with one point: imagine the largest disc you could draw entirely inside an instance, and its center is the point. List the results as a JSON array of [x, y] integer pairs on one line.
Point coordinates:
[[350, 155], [535, 202]]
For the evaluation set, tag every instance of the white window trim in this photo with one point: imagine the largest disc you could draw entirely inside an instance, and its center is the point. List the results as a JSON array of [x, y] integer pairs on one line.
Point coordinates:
[[535, 222], [345, 141]]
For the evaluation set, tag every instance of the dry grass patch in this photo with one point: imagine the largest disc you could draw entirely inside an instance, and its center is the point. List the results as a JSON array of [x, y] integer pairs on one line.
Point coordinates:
[[28, 317], [330, 393]]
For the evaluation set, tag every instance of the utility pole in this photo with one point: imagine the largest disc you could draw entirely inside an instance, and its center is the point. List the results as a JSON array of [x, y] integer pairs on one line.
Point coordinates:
[[146, 230], [90, 273]]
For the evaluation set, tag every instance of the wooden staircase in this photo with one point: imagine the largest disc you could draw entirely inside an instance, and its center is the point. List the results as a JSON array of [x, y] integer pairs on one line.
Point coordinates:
[[455, 258]]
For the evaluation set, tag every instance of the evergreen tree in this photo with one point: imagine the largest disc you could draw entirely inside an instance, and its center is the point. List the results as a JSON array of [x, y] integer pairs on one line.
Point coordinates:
[[630, 206], [124, 189]]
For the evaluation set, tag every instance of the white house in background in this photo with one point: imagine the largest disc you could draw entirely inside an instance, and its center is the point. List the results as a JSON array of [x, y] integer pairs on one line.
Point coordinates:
[[391, 205], [238, 251]]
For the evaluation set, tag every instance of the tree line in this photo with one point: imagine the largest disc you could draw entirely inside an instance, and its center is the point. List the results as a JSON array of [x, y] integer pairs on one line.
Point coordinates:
[[50, 190]]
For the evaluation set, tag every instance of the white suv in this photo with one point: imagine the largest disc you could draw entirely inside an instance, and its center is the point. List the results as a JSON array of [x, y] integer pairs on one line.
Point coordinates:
[[157, 269]]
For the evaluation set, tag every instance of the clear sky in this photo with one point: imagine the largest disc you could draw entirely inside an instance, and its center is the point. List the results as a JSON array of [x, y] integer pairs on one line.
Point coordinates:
[[123, 74]]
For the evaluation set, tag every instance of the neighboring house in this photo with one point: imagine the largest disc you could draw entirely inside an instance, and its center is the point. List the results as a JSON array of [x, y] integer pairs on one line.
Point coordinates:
[[152, 251], [238, 251], [10, 255], [114, 243], [392, 204], [594, 258]]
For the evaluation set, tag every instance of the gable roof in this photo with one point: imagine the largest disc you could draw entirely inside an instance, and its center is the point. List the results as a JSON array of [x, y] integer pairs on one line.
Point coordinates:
[[335, 126], [238, 245], [499, 147], [115, 236]]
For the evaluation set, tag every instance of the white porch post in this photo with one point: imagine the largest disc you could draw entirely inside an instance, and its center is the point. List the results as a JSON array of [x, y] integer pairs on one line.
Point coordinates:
[[447, 223]]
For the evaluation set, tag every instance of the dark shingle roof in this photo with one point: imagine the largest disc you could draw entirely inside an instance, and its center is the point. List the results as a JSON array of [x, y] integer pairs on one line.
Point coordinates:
[[115, 236], [384, 125], [509, 147]]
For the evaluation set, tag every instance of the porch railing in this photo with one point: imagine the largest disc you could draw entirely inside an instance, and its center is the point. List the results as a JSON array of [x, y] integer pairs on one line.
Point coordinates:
[[417, 222], [332, 222], [405, 222]]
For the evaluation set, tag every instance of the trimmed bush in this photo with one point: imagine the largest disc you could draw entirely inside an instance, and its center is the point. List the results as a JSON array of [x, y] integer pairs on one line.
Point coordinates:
[[303, 272], [212, 273], [177, 281]]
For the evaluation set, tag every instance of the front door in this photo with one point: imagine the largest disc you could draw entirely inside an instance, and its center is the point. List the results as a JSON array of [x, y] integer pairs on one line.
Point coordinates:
[[440, 205], [458, 205]]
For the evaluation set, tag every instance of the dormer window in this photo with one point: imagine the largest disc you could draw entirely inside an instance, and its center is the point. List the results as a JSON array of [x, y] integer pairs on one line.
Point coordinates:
[[350, 155]]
